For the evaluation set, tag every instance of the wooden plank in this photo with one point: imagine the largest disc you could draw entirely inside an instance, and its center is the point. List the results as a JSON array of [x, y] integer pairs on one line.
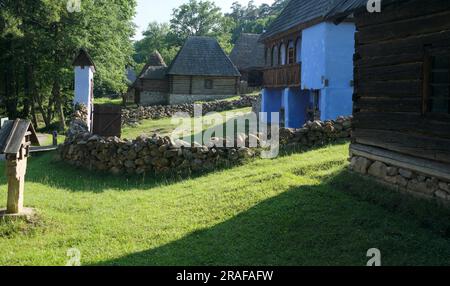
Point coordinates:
[[402, 46], [413, 123], [421, 166], [437, 149], [41, 149], [388, 105], [409, 71], [404, 28], [398, 11], [381, 61], [396, 89]]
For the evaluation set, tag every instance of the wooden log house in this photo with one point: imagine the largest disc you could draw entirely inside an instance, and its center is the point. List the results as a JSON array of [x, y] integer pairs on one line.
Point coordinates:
[[248, 56], [151, 86], [201, 71], [401, 128]]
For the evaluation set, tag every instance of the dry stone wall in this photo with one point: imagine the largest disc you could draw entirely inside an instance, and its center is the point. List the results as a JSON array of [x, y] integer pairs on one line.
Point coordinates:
[[158, 155], [134, 115], [421, 185]]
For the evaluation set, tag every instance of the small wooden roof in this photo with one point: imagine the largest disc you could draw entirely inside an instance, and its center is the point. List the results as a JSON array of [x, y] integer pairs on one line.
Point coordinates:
[[202, 56], [12, 134], [248, 53], [298, 12], [155, 68], [83, 59]]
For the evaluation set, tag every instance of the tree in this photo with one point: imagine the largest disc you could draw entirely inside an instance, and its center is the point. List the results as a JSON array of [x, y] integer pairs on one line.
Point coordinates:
[[38, 42], [196, 18], [155, 39]]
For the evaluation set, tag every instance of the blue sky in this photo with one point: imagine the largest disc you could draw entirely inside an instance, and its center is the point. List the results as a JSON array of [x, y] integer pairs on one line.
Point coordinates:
[[161, 10]]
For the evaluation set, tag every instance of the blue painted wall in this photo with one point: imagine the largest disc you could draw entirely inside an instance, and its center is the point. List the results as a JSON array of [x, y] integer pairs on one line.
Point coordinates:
[[296, 103], [327, 65], [313, 56], [272, 101], [327, 54]]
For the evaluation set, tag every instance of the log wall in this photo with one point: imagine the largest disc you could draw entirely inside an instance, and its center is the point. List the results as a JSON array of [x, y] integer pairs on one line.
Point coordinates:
[[391, 49], [196, 85]]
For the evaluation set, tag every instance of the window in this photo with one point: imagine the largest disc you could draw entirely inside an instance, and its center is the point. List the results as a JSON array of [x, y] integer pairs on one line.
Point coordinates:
[[266, 57], [274, 60], [298, 47], [437, 84], [291, 53], [208, 83], [282, 55]]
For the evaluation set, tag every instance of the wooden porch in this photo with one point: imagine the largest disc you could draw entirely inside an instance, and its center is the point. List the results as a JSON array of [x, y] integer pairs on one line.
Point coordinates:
[[283, 76]]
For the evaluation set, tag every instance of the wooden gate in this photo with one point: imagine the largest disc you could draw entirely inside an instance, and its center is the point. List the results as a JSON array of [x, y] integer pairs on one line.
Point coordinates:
[[107, 120]]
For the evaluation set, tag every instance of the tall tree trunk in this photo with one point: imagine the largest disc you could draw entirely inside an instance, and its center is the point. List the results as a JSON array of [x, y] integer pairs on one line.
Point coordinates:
[[10, 98], [56, 91], [33, 113], [37, 99], [28, 97]]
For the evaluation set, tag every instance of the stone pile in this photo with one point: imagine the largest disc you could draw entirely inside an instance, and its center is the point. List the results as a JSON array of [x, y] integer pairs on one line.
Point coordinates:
[[160, 155], [78, 124], [413, 182], [317, 133], [146, 155], [135, 115]]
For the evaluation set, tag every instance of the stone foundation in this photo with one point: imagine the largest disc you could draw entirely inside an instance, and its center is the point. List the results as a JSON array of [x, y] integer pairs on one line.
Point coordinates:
[[418, 184], [191, 98], [153, 98]]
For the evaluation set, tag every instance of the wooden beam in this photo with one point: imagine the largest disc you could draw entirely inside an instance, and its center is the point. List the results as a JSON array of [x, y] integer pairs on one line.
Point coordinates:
[[16, 170], [423, 166]]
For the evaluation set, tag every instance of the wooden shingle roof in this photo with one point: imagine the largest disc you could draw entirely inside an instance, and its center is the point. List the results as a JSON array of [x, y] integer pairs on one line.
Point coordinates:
[[299, 12], [202, 56], [83, 59], [12, 134], [248, 52]]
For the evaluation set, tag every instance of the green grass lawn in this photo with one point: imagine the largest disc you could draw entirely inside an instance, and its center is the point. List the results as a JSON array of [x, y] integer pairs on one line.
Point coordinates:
[[298, 209], [49, 139], [165, 126], [107, 100]]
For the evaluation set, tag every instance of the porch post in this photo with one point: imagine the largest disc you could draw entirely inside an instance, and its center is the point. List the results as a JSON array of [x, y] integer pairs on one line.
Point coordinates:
[[296, 103], [271, 102]]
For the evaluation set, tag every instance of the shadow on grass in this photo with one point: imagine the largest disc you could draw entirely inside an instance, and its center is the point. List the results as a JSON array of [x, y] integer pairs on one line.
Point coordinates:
[[333, 223]]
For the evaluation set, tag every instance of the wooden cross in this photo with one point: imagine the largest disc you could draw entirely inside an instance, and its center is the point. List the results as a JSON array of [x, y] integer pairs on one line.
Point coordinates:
[[16, 138]]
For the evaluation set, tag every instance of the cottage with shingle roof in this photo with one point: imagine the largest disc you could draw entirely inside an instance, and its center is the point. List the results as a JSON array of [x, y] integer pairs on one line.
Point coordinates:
[[309, 64], [152, 86], [201, 71], [248, 56]]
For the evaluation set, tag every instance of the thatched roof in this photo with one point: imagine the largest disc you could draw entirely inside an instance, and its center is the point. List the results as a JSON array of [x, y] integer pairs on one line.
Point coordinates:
[[202, 56], [155, 68], [299, 12], [156, 59], [248, 53]]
